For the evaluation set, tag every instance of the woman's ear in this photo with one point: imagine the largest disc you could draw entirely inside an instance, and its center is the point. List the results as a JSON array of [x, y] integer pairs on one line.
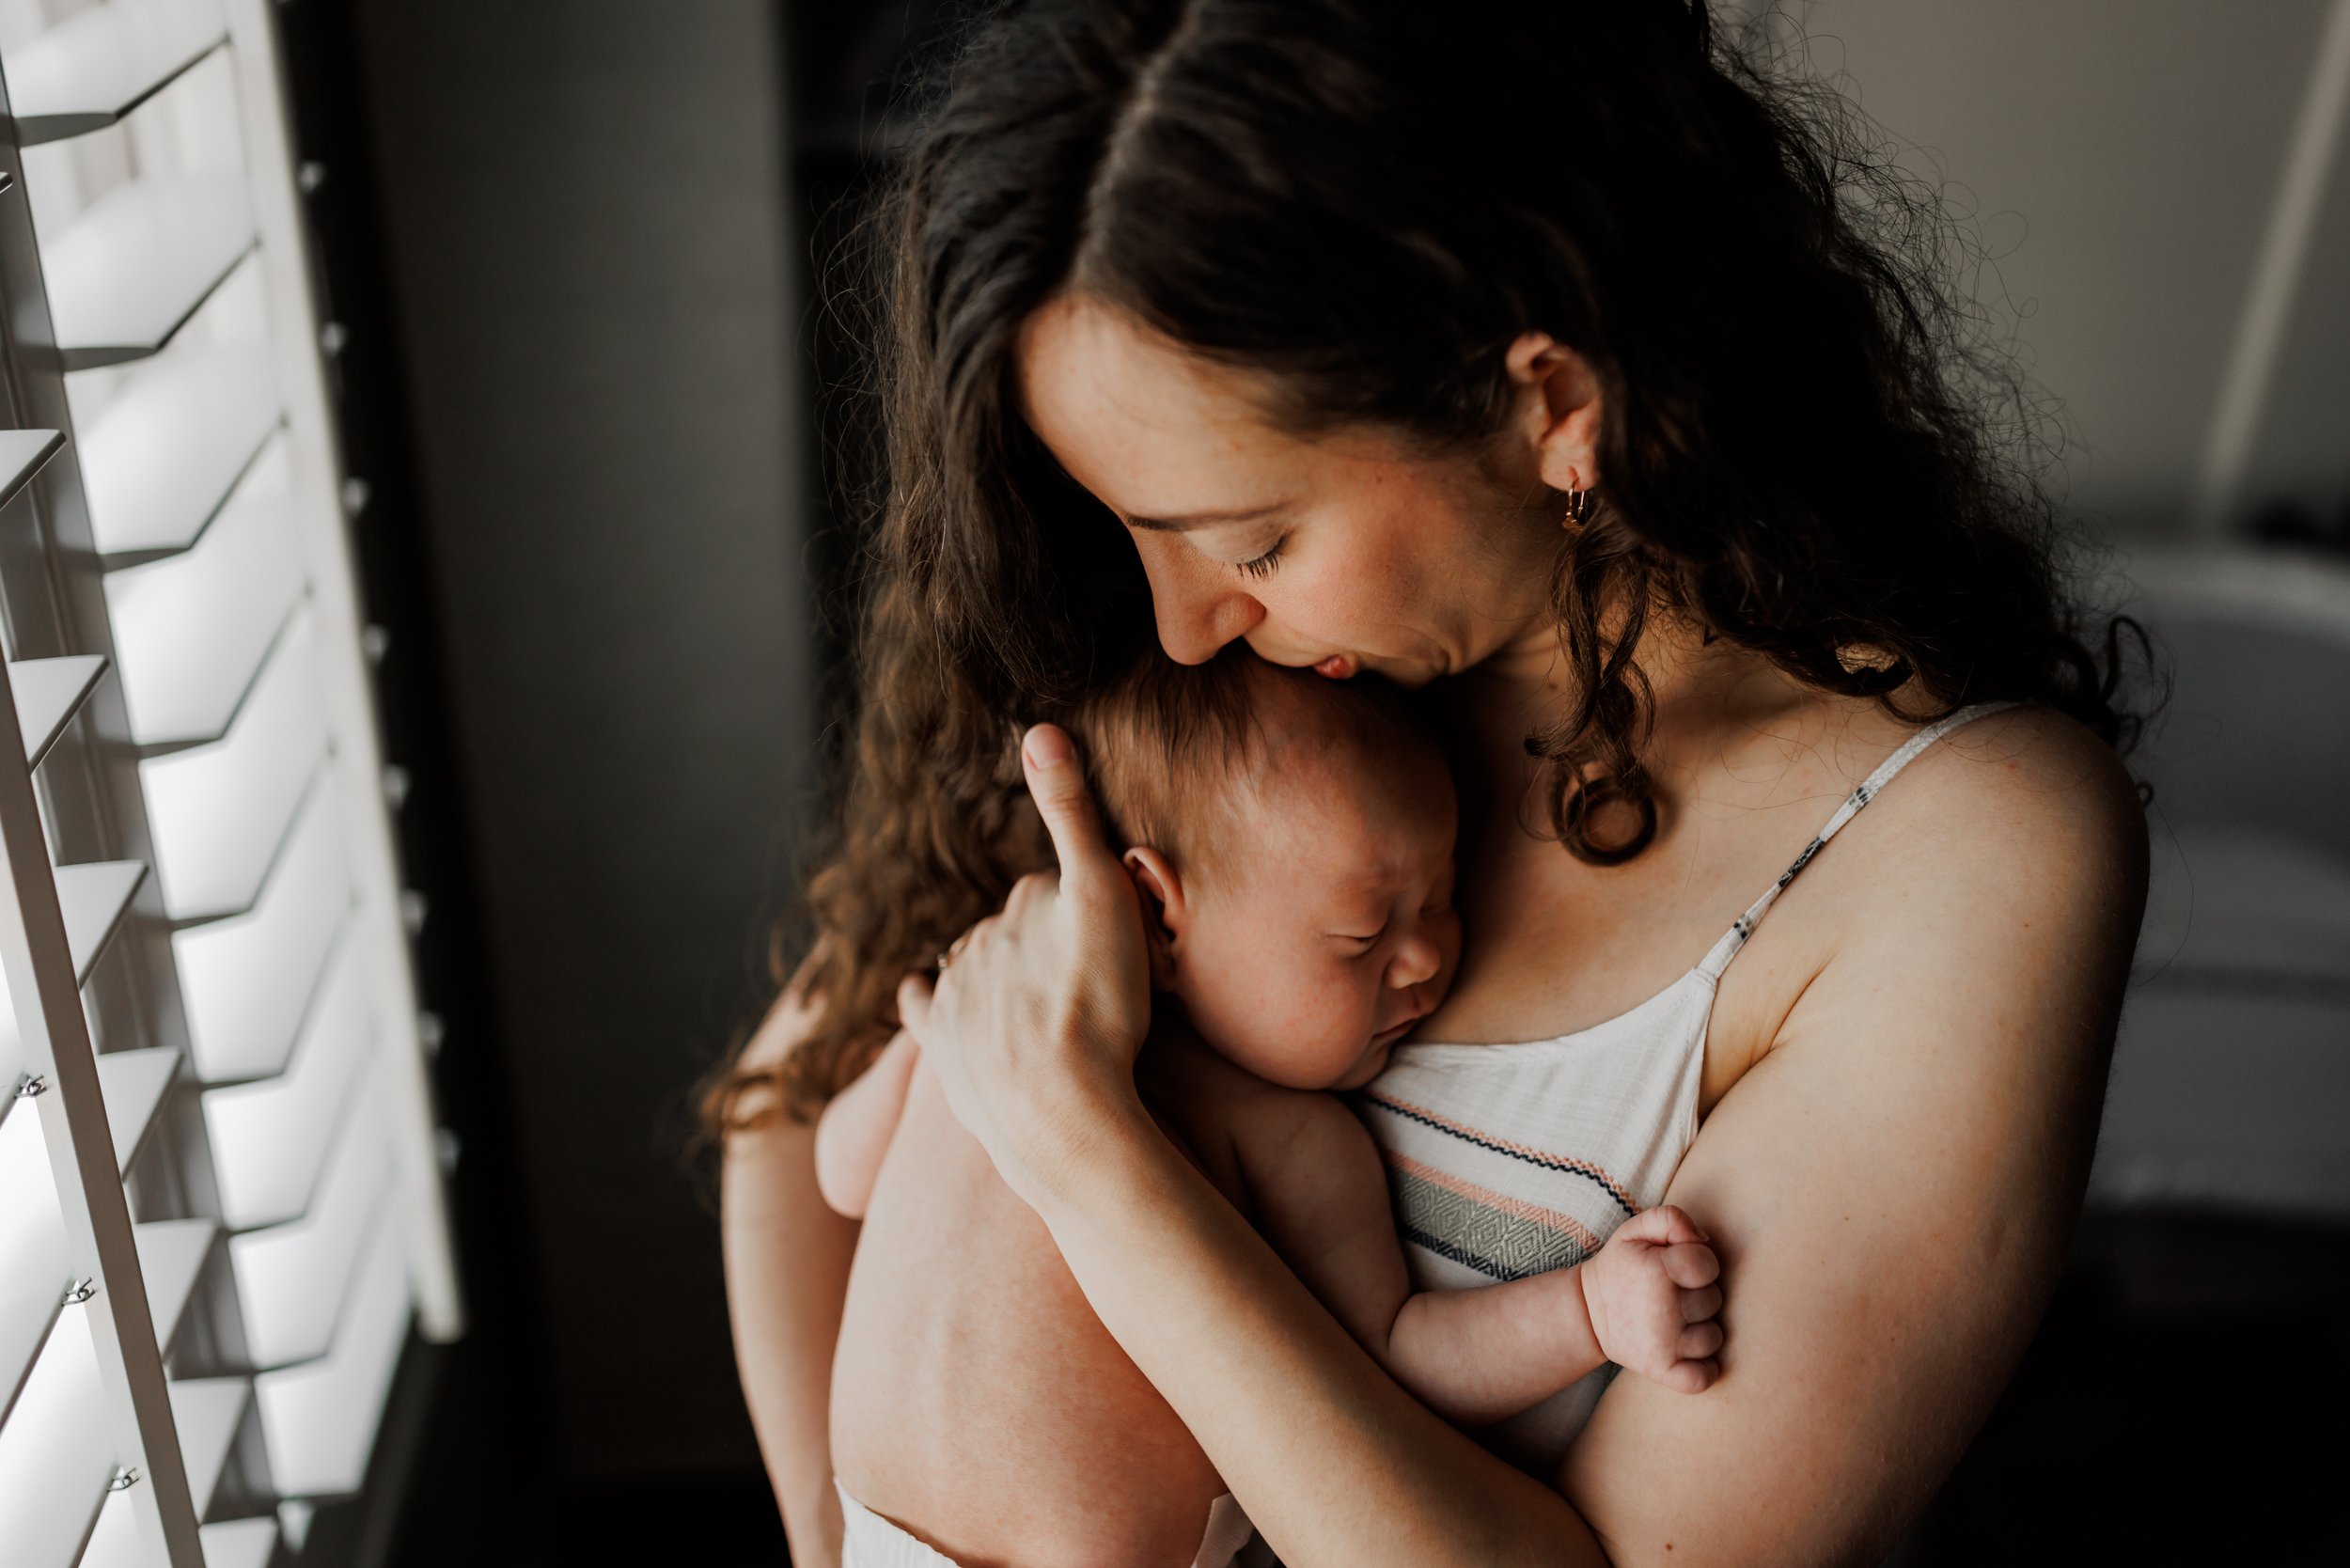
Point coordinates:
[[1166, 914], [1558, 399]]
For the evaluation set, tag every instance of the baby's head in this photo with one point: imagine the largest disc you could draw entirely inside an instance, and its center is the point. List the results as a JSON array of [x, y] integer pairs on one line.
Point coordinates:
[[1292, 841]]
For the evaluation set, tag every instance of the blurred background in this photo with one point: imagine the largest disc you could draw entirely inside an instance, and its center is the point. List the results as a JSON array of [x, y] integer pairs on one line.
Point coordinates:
[[570, 256]]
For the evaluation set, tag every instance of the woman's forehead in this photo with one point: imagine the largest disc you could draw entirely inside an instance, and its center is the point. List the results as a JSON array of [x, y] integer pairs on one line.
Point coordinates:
[[1145, 426]]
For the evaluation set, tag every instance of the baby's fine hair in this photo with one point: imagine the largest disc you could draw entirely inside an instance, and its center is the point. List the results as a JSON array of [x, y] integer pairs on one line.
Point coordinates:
[[1166, 743]]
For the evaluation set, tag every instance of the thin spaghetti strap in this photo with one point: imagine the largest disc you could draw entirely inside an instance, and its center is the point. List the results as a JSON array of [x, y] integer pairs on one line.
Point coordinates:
[[1867, 791]]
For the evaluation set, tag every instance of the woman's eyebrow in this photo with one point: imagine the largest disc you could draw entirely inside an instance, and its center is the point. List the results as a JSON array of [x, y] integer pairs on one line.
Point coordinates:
[[1204, 519]]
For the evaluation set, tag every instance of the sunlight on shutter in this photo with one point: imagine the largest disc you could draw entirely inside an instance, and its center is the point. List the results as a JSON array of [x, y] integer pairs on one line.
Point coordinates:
[[219, 1201]]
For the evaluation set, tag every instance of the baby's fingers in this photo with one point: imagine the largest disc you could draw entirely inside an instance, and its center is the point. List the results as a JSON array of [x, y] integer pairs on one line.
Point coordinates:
[[1691, 1377], [1699, 1341], [1698, 1306], [1663, 1225], [1692, 1265]]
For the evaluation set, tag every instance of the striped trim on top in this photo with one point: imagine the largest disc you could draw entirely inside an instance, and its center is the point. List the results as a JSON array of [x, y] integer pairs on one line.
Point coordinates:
[[1563, 1163], [1502, 1237]]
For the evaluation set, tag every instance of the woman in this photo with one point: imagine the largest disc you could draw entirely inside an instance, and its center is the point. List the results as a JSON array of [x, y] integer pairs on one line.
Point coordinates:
[[1550, 359]]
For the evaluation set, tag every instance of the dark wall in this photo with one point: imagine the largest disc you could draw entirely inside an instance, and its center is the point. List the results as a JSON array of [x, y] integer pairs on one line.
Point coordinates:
[[586, 211]]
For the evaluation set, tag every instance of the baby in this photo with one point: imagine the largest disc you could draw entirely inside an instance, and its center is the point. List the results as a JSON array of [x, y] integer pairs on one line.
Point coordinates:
[[1291, 839]]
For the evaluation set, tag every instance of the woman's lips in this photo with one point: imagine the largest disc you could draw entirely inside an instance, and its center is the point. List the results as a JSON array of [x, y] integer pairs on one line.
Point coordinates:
[[1337, 667]]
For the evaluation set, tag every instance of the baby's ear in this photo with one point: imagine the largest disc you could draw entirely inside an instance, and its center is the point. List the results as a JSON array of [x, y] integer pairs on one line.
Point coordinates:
[[1165, 913]]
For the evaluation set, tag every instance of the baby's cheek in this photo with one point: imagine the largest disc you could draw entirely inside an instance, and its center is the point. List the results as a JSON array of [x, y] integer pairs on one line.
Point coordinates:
[[1345, 1015], [1308, 1033], [1244, 1000]]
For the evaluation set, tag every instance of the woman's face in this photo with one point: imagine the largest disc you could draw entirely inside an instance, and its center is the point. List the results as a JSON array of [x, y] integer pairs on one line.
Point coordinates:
[[1340, 552]]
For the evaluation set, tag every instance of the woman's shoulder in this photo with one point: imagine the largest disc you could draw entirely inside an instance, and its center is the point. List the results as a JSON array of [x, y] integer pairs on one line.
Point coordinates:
[[2025, 793], [2009, 857]]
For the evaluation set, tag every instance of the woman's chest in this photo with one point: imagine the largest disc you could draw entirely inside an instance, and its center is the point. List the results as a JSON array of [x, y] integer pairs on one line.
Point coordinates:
[[1554, 947]]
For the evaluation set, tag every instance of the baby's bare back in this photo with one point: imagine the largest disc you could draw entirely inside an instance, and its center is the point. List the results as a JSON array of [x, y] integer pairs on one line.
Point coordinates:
[[975, 1399]]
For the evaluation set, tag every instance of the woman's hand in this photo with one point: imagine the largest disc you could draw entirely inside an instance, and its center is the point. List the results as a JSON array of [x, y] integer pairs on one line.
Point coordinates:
[[1034, 1021]]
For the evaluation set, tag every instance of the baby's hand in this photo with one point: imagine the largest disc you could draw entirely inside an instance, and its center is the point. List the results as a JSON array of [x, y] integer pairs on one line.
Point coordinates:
[[1651, 1297]]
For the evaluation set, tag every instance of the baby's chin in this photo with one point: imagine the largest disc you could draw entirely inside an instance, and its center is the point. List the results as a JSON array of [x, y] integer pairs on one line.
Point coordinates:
[[1374, 1062]]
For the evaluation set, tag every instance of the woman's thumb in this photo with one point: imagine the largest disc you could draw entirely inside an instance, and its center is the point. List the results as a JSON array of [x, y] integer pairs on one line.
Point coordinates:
[[1058, 785]]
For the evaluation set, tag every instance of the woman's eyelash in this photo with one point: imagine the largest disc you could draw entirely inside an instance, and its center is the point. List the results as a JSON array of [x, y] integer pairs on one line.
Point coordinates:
[[1263, 566]]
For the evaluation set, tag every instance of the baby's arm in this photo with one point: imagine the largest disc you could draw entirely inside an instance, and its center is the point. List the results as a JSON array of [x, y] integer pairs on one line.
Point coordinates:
[[1475, 1356], [1646, 1301], [854, 1131]]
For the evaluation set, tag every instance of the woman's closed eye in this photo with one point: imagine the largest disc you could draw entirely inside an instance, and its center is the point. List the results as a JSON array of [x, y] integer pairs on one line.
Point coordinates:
[[1262, 566]]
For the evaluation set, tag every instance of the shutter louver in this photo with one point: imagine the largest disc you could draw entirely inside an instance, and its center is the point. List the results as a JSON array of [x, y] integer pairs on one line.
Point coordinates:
[[22, 454], [49, 691], [271, 1137], [321, 1415], [55, 1459], [94, 897], [292, 1278], [91, 69], [136, 266], [134, 1083], [220, 811], [162, 457], [191, 630], [248, 978], [33, 1270], [207, 1410], [171, 1255], [199, 905]]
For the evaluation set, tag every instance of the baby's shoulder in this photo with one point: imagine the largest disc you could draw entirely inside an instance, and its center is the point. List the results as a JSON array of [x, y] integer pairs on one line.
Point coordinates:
[[1177, 1071], [1231, 1119]]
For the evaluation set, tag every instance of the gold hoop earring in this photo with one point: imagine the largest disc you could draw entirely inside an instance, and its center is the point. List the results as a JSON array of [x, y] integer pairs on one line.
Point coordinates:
[[1580, 505]]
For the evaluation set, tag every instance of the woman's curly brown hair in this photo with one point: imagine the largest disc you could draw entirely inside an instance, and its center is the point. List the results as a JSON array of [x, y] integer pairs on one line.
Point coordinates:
[[1812, 450]]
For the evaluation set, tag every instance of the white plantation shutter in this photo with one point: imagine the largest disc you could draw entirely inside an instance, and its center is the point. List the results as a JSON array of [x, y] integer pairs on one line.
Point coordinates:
[[210, 1046]]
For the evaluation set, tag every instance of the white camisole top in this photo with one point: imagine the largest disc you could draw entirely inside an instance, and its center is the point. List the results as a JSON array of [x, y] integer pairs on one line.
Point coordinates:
[[1508, 1160]]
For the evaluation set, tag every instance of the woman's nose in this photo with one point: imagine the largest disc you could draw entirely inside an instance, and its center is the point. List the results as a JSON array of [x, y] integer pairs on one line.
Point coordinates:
[[1415, 961], [1197, 614]]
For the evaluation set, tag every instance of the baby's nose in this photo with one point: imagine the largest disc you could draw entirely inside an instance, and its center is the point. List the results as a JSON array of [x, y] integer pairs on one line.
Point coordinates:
[[1415, 961]]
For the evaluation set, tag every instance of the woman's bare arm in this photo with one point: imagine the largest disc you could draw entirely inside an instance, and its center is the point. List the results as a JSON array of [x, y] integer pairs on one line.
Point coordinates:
[[1263, 1374], [1473, 1356], [1895, 1185], [787, 1258]]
